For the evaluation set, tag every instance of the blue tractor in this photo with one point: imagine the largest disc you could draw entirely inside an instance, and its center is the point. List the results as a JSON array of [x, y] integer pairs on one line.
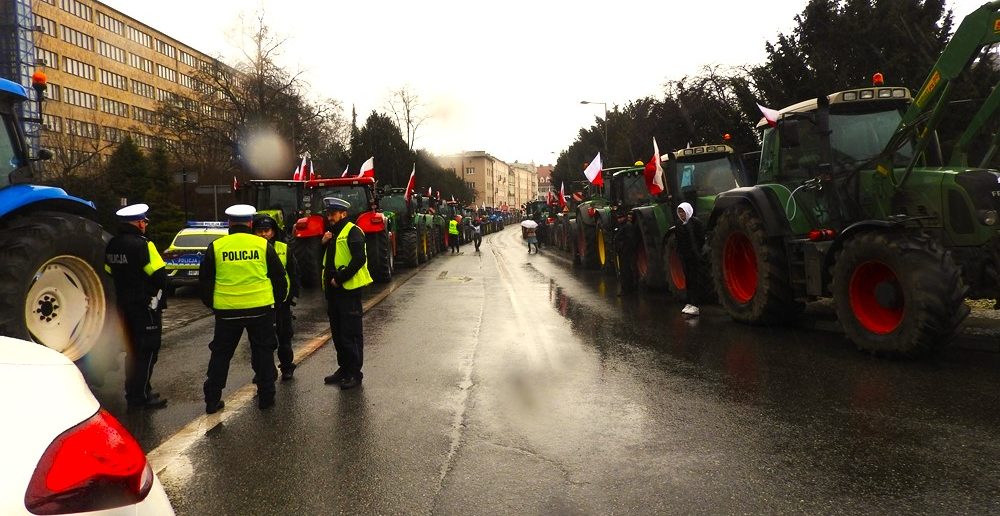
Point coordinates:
[[53, 289]]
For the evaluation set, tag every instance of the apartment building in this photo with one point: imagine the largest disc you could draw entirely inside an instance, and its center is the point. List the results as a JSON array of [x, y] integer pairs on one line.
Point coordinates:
[[544, 180], [495, 182], [107, 72]]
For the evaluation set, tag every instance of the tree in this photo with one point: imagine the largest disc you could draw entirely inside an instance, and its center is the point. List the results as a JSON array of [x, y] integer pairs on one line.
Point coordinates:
[[408, 112], [380, 138]]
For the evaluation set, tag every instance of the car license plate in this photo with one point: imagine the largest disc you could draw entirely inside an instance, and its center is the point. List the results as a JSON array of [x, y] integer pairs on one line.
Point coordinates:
[[192, 273]]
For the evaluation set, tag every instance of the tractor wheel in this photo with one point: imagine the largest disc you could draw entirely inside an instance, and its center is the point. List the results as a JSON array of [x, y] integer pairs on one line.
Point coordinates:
[[898, 294], [676, 281], [423, 244], [379, 256], [651, 274], [308, 256], [409, 254], [586, 244], [571, 229], [751, 270], [54, 291], [605, 241]]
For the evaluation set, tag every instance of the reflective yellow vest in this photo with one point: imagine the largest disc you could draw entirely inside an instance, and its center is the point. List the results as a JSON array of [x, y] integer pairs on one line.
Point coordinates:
[[281, 249], [453, 227], [241, 273], [342, 257]]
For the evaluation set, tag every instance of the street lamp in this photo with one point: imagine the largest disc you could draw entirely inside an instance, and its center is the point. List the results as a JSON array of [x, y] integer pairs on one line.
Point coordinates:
[[605, 104]]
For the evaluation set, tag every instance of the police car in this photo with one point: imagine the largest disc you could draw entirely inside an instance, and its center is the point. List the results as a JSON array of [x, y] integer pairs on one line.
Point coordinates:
[[185, 253]]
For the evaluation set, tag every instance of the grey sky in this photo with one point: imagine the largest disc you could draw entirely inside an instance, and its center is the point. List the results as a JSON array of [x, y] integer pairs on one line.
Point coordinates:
[[504, 77]]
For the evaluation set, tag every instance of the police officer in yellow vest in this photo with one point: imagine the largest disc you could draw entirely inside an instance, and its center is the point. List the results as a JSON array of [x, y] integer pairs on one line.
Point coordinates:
[[345, 272], [241, 277], [454, 239], [267, 228]]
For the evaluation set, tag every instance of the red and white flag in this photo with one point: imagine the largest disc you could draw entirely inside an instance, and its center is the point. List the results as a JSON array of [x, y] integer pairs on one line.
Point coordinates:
[[654, 172], [593, 171], [770, 115], [429, 192], [452, 198], [411, 184], [345, 170], [368, 168], [548, 198], [562, 195], [236, 184], [299, 174], [312, 171]]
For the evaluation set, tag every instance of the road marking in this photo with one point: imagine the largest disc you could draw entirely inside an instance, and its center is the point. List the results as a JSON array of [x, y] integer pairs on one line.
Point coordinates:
[[170, 453]]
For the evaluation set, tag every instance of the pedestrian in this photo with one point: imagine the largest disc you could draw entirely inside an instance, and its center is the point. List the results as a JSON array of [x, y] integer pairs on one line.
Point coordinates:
[[626, 240], [241, 278], [542, 232], [690, 236], [345, 272], [532, 238], [477, 232], [453, 236], [140, 277], [267, 228]]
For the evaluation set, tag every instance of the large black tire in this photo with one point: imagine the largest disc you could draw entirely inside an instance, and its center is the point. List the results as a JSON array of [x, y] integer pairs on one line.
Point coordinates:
[[750, 270], [308, 254], [586, 246], [674, 269], [650, 275], [898, 293], [409, 254], [571, 230], [54, 291], [379, 254], [423, 248]]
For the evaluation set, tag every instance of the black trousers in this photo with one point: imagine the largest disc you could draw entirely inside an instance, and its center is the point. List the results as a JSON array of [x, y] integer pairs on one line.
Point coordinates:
[[344, 311], [263, 340], [143, 328], [285, 332], [454, 241]]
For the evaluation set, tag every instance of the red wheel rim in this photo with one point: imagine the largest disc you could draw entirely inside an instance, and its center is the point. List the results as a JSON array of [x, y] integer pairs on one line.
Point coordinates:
[[877, 316], [739, 264], [677, 270], [641, 261]]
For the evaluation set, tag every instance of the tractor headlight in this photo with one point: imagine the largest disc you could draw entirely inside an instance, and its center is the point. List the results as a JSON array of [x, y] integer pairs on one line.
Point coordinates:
[[989, 217]]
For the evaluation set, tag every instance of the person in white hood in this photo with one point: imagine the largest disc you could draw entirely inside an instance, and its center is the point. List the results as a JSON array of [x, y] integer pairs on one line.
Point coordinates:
[[690, 243]]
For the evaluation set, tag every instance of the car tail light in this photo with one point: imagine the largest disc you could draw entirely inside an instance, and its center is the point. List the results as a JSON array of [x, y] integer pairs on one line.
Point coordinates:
[[94, 465]]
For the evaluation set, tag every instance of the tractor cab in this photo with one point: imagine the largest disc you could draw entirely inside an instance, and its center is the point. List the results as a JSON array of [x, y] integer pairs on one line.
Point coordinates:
[[283, 200], [698, 174]]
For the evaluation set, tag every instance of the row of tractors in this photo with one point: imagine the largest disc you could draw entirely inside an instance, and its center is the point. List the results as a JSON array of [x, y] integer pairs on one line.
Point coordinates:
[[852, 200]]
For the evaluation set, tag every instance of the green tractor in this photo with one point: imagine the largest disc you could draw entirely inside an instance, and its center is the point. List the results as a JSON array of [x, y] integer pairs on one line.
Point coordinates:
[[854, 202], [414, 230], [590, 244]]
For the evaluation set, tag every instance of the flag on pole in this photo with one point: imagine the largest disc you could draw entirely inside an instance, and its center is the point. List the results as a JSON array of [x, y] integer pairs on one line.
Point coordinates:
[[411, 184], [452, 198], [429, 192], [770, 115], [345, 170], [236, 184], [593, 171], [368, 168], [562, 195], [654, 172], [298, 174], [312, 171]]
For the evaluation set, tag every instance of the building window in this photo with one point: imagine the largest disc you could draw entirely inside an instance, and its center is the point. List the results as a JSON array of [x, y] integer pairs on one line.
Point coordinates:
[[78, 68], [141, 63], [470, 170], [75, 37], [81, 128], [79, 98], [189, 59], [186, 81], [110, 51], [46, 26], [53, 92], [166, 49], [143, 140], [114, 134], [114, 80], [166, 73], [471, 185], [52, 123], [46, 58], [143, 115], [114, 107], [112, 24], [77, 9], [50, 2], [167, 96], [139, 37], [141, 88]]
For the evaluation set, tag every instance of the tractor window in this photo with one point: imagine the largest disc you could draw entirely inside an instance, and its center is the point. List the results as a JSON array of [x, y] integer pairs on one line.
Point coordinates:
[[710, 176], [279, 197], [356, 195], [861, 136], [393, 203], [768, 153], [8, 155], [801, 160], [634, 191]]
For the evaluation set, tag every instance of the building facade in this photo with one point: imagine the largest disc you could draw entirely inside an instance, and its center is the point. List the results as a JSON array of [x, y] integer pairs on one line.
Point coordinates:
[[544, 181], [495, 182]]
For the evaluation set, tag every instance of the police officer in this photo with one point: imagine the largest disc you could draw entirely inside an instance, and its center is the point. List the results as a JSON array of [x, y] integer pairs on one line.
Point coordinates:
[[453, 237], [267, 228], [140, 276], [241, 277], [345, 272]]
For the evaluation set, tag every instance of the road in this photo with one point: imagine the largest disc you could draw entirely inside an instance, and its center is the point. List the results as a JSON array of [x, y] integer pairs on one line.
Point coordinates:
[[503, 383]]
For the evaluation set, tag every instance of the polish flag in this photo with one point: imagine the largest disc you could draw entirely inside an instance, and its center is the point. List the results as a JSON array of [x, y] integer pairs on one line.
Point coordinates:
[[236, 184], [411, 184], [299, 174], [593, 171], [368, 168], [769, 114], [312, 171], [654, 172], [345, 170], [429, 192], [548, 198], [562, 195]]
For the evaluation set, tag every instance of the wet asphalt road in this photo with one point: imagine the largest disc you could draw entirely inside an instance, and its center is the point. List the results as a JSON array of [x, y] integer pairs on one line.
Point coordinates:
[[503, 383]]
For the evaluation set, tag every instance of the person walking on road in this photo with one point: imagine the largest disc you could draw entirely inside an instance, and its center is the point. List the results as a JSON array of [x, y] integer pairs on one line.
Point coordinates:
[[345, 272], [453, 236], [690, 244], [241, 278], [531, 237], [140, 277], [626, 242], [267, 228], [477, 232]]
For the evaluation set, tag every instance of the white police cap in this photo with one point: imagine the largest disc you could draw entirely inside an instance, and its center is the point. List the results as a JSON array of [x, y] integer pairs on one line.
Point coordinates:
[[133, 212], [335, 204], [241, 212]]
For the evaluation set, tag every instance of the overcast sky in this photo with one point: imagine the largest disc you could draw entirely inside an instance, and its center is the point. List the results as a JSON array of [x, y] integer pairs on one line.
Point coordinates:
[[506, 76]]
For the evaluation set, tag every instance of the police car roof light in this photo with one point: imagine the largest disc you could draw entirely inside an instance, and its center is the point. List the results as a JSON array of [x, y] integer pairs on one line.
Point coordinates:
[[206, 224]]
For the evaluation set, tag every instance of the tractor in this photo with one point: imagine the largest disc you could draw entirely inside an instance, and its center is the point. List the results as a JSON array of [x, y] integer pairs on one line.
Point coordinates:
[[591, 248], [414, 230], [854, 202]]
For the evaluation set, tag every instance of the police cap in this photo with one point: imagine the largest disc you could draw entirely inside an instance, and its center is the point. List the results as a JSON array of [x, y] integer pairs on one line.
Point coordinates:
[[133, 213], [264, 222], [241, 213], [335, 204]]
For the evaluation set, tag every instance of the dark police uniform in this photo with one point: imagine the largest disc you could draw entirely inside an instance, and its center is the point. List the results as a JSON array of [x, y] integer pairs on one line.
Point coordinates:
[[241, 276], [139, 276], [345, 261], [283, 308]]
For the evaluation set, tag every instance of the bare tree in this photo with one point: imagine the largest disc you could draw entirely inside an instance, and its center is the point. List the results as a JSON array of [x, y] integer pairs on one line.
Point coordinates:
[[408, 112], [76, 149]]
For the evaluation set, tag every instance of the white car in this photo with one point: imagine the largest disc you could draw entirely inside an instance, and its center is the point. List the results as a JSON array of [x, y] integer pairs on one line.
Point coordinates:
[[61, 452]]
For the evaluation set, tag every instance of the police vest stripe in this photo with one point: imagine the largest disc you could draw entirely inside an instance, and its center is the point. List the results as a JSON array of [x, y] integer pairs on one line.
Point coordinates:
[[241, 273]]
